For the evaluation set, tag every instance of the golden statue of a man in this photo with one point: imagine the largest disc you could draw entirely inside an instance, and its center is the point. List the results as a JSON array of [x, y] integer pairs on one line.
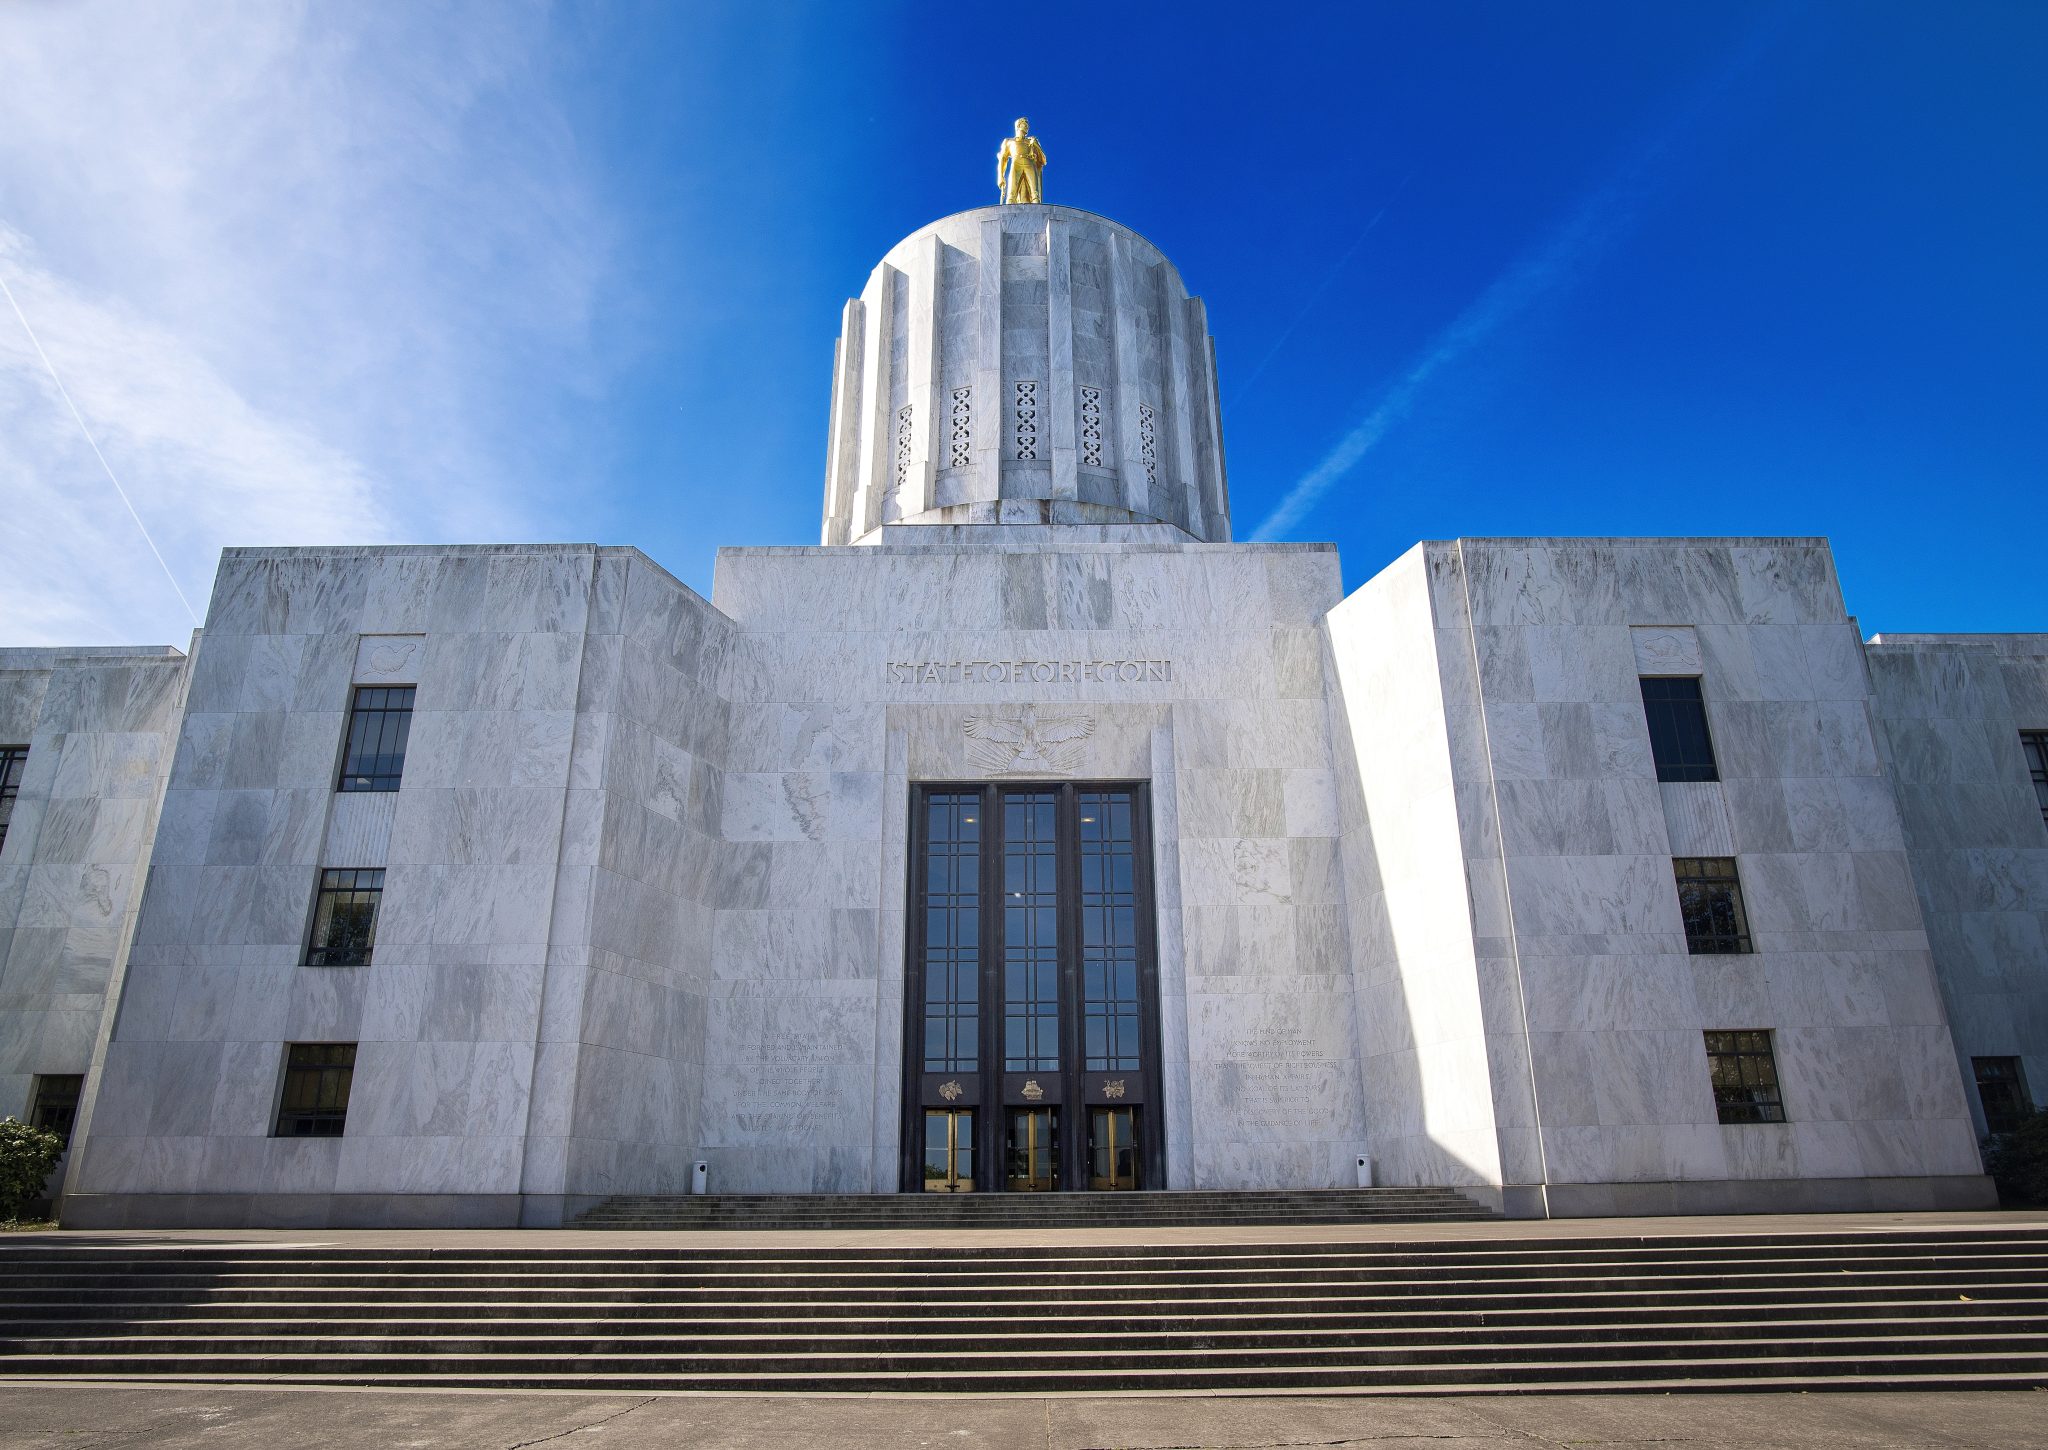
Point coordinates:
[[1020, 166]]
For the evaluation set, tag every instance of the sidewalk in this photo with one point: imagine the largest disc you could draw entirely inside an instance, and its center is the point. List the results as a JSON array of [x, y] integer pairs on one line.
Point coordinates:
[[260, 1418]]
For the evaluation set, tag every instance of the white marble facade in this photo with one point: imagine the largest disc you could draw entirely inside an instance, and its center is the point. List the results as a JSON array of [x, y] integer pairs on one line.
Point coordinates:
[[646, 872], [99, 725], [1950, 709]]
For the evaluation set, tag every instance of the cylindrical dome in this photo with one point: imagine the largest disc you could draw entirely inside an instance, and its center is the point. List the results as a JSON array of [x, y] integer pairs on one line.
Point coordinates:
[[1025, 365]]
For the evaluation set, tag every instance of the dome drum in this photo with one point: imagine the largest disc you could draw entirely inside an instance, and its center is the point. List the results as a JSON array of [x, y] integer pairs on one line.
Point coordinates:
[[1025, 365]]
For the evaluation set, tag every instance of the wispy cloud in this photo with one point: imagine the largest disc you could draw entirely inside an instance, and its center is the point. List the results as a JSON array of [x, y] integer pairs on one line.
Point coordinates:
[[299, 266], [1586, 234]]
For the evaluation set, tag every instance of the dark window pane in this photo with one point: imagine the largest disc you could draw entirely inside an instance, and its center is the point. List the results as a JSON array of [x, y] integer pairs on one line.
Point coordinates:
[[1745, 1077], [952, 949], [13, 761], [2002, 1089], [317, 1079], [56, 1103], [345, 918], [1710, 901], [378, 727], [1030, 946], [2035, 744], [1109, 941], [1679, 741]]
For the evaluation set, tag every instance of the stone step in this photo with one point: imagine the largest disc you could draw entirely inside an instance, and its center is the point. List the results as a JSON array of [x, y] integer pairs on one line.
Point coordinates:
[[1710, 1310], [911, 1210], [2018, 1360], [1367, 1310], [693, 1337], [1873, 1241], [922, 1277]]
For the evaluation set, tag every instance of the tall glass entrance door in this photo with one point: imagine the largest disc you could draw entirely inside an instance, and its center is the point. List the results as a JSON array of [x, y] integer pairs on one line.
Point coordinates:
[[1113, 1156], [949, 1151], [1031, 994], [1031, 1157]]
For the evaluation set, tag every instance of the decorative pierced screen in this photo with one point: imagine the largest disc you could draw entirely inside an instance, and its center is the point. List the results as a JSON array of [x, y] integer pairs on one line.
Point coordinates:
[[1027, 420], [1091, 427], [963, 428], [902, 446], [1148, 442]]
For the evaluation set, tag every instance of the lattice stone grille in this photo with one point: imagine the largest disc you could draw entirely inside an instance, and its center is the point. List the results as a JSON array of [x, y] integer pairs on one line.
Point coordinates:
[[1091, 427], [903, 415], [963, 427], [1148, 442], [1027, 420]]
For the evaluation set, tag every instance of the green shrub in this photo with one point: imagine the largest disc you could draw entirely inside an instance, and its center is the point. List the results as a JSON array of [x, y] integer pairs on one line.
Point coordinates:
[[2018, 1160], [26, 1157]]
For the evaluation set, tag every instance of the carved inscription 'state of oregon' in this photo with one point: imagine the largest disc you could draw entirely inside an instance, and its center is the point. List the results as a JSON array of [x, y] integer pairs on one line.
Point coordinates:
[[1027, 672]]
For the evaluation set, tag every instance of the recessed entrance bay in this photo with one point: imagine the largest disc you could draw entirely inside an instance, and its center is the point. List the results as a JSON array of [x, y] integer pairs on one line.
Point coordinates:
[[1043, 1011]]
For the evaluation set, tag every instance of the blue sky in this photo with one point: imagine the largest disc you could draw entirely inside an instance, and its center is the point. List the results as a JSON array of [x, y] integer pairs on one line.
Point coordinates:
[[401, 273]]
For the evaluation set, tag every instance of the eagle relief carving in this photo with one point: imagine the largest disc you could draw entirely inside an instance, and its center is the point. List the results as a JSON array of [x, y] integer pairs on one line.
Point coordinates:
[[1027, 744]]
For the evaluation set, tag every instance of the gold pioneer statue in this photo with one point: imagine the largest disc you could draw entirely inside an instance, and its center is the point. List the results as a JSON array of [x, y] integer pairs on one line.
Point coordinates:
[[1024, 159]]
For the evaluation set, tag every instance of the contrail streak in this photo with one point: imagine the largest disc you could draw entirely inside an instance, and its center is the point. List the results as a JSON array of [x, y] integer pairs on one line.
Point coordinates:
[[65, 393], [1590, 229], [1587, 232], [1317, 295]]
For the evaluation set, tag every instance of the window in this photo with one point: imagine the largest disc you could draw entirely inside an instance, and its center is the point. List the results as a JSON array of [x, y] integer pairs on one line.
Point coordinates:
[[345, 918], [2035, 743], [378, 726], [952, 932], [1745, 1077], [2002, 1091], [1109, 933], [1710, 900], [1031, 942], [13, 760], [56, 1104], [317, 1076], [1678, 729]]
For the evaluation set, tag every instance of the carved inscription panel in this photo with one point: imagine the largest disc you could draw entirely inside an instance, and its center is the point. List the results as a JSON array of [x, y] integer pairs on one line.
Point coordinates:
[[1027, 672]]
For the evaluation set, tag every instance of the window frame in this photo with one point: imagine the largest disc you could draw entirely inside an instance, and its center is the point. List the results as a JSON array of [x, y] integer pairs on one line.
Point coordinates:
[[1678, 770], [1742, 1048], [311, 1122], [318, 954], [13, 766], [350, 782], [1741, 941], [2017, 1082]]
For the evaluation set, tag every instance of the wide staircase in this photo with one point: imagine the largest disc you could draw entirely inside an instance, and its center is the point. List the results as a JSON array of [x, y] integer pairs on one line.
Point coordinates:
[[1034, 1210], [1902, 1309]]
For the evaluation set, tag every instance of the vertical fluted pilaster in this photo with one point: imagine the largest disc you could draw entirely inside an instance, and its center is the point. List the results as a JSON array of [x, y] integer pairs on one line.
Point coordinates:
[[990, 407], [842, 467], [877, 437], [1063, 397]]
